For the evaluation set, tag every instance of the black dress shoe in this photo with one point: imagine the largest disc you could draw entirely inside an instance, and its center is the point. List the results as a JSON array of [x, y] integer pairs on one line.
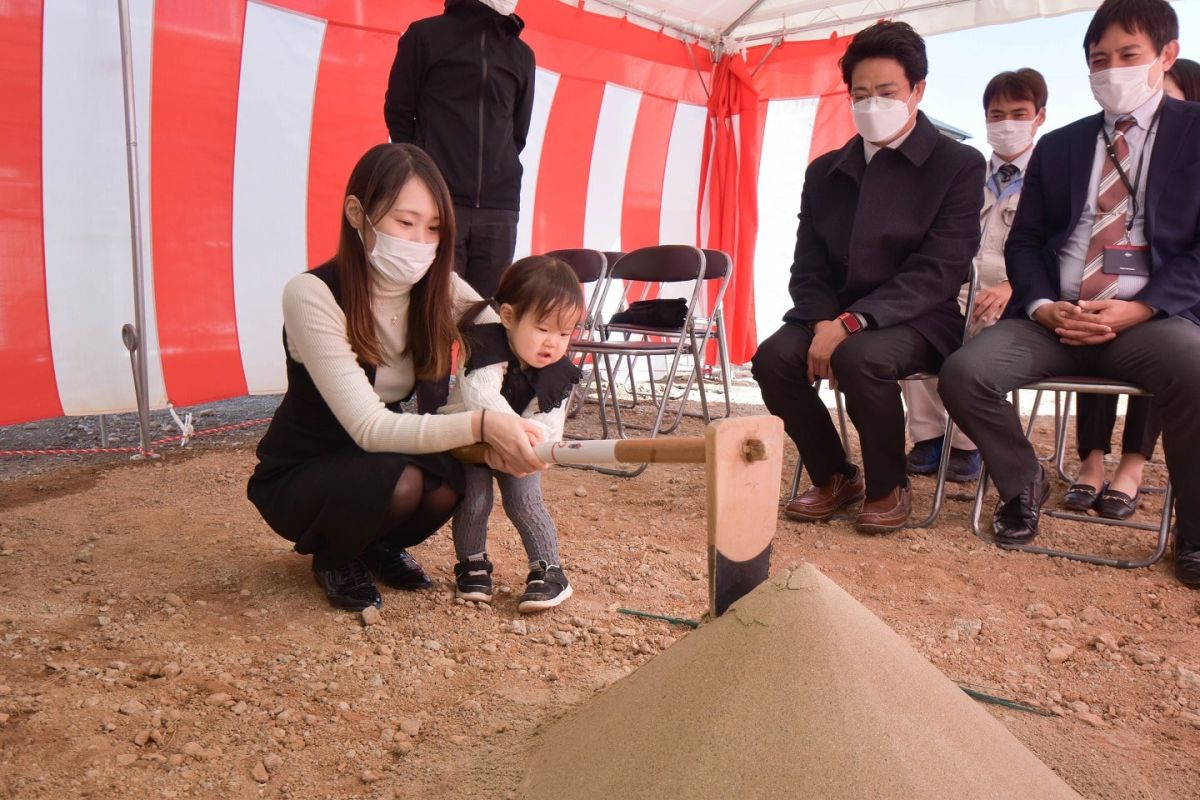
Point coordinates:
[[1187, 563], [1117, 505], [350, 587], [1016, 521], [395, 567], [1082, 496]]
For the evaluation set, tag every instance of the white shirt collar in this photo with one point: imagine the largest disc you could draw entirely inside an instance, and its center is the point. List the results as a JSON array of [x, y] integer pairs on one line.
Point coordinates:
[[1020, 162], [1143, 115], [869, 150]]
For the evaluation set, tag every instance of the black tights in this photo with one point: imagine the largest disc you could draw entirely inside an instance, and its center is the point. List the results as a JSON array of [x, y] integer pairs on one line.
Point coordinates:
[[416, 508]]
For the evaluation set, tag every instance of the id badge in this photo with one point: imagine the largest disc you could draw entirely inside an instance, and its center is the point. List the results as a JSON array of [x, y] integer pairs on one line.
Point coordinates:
[[1126, 259]]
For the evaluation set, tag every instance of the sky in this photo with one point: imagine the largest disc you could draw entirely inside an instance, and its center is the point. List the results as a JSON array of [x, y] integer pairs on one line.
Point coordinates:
[[961, 63]]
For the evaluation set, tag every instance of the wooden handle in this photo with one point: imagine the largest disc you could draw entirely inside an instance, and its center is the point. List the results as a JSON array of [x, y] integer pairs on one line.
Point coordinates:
[[660, 451], [684, 450]]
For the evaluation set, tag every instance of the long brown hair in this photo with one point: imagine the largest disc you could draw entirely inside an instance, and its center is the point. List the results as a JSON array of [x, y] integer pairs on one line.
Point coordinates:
[[376, 180]]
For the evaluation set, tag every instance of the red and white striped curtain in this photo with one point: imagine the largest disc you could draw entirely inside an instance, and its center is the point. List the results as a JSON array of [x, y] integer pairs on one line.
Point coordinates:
[[250, 116]]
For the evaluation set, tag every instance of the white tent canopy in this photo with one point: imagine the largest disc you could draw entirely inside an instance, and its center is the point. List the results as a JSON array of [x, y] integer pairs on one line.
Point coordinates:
[[747, 22]]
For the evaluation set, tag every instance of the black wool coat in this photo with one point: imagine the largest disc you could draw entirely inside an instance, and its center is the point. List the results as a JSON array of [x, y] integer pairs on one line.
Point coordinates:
[[892, 240]]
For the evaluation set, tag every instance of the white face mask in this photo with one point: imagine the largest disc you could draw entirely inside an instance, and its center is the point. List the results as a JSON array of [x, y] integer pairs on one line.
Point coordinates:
[[504, 7], [879, 119], [1120, 90], [1010, 137], [398, 260]]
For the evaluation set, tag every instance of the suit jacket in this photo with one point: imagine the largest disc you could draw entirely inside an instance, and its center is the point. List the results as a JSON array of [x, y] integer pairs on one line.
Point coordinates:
[[1053, 197], [892, 240]]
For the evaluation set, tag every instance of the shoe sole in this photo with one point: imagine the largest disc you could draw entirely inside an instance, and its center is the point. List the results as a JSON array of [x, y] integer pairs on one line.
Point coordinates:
[[793, 515], [876, 528], [954, 477], [529, 606], [478, 597]]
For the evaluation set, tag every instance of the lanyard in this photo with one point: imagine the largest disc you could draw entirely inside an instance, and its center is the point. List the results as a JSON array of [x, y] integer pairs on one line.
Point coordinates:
[[1137, 178]]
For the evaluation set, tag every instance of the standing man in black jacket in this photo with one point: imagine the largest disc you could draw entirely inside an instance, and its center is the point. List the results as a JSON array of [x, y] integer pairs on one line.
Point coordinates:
[[461, 88], [888, 227]]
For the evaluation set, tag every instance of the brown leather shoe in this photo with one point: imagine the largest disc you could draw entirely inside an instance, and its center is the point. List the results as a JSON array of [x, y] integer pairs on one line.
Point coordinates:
[[885, 514], [821, 502]]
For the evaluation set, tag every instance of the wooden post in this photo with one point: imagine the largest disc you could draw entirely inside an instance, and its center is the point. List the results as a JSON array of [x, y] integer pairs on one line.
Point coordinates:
[[743, 464]]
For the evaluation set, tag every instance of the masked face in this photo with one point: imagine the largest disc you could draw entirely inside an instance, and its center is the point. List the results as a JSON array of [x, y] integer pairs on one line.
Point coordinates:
[[400, 261], [879, 119], [1010, 137], [1127, 69], [1120, 90], [883, 101], [402, 244], [503, 7]]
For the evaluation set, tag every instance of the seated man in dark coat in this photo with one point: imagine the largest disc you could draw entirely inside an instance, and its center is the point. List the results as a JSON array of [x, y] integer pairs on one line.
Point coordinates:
[[888, 227]]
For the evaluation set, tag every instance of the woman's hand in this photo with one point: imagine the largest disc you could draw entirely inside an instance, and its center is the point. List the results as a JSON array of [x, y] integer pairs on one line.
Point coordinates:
[[511, 439]]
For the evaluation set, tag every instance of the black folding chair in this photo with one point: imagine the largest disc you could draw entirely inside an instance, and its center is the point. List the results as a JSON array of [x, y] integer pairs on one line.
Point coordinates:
[[662, 265]]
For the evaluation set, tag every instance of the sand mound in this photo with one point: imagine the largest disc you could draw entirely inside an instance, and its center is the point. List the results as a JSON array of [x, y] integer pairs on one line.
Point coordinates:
[[798, 692]]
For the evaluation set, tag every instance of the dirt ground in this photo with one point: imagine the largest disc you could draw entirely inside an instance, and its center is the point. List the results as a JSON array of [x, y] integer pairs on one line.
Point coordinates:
[[158, 640]]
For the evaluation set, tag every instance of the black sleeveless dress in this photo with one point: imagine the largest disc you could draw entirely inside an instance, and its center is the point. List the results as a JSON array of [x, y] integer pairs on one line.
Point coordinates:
[[315, 487]]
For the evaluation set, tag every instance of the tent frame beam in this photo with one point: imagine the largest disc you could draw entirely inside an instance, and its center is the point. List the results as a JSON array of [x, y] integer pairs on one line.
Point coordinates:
[[742, 18]]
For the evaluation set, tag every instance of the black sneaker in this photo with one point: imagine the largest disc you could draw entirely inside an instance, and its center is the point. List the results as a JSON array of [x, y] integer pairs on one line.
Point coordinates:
[[394, 566], [350, 587], [545, 587], [473, 580]]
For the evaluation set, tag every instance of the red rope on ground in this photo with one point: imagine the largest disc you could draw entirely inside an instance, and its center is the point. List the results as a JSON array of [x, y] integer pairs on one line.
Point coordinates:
[[165, 440]]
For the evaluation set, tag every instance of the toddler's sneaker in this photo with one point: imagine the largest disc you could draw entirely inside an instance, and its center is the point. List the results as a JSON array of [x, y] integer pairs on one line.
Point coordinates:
[[473, 580], [545, 587]]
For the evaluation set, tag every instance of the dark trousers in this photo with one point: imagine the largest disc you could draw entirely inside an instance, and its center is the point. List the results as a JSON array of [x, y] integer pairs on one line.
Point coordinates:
[[868, 366], [483, 246], [1096, 414], [1159, 356]]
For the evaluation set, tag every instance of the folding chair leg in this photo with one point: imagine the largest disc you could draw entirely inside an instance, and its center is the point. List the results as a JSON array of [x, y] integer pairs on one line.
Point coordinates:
[[796, 478], [939, 490], [723, 353], [977, 506], [1062, 411], [1163, 528], [842, 423]]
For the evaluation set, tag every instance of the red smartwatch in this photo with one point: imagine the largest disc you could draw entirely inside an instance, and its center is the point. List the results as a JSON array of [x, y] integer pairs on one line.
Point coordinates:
[[850, 322]]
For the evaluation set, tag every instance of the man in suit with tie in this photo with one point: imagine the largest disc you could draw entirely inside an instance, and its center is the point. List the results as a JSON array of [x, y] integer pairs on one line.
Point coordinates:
[[1104, 262], [888, 226], [1014, 106]]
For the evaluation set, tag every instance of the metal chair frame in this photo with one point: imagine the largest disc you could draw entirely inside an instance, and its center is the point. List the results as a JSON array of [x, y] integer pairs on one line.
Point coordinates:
[[718, 266], [590, 267], [1069, 386], [639, 265]]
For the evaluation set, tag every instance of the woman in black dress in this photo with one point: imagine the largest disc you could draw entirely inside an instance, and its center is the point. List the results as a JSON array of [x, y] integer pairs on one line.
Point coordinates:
[[343, 472]]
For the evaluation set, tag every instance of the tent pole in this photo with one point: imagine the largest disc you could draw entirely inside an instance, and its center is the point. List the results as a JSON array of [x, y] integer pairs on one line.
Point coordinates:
[[825, 18], [660, 19], [141, 368], [688, 46], [742, 18]]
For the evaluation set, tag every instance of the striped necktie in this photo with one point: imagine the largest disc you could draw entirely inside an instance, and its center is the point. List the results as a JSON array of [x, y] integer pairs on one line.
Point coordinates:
[[1112, 206], [1005, 174]]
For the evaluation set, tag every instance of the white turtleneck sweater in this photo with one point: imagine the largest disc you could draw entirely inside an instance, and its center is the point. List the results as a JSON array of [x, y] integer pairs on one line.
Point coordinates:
[[316, 333]]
